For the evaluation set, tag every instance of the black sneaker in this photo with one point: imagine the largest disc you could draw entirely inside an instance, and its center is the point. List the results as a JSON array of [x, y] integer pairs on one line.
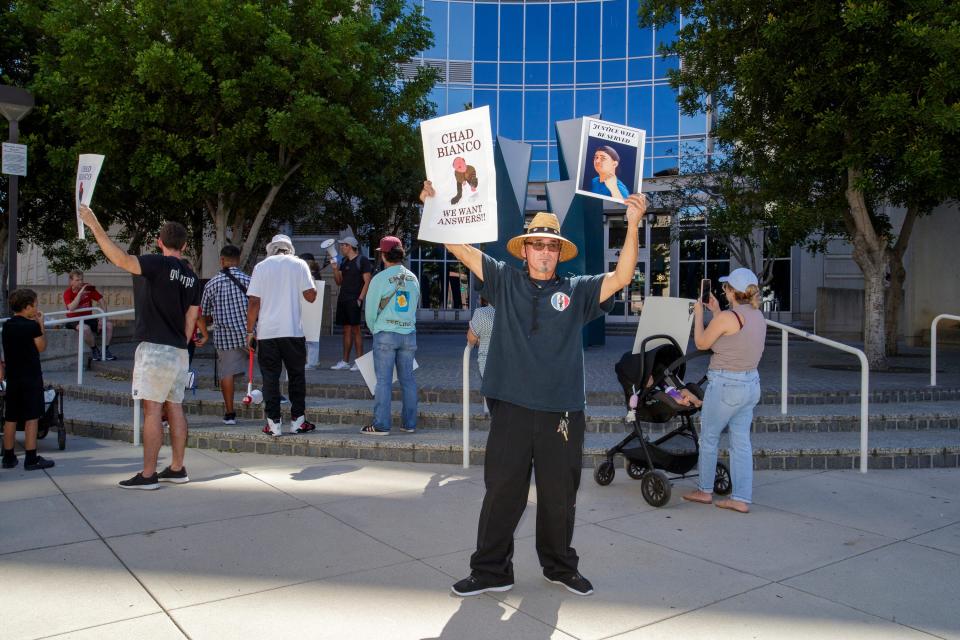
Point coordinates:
[[38, 463], [176, 477], [95, 354], [230, 418], [10, 463], [107, 355], [575, 583], [473, 585], [139, 482]]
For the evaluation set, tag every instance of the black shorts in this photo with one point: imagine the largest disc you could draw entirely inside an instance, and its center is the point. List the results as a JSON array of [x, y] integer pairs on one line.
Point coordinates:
[[348, 312], [24, 400], [90, 322]]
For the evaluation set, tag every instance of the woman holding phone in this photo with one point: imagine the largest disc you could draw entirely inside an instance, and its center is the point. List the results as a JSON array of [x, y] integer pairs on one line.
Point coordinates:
[[736, 337]]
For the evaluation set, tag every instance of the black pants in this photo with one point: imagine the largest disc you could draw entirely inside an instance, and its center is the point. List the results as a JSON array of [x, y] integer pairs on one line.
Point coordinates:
[[273, 354], [520, 441]]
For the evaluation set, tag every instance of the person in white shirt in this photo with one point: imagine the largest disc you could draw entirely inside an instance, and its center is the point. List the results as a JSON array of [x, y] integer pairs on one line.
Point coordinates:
[[275, 289]]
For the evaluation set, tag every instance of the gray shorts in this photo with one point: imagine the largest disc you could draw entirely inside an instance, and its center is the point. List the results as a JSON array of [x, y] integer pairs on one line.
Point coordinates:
[[232, 362], [160, 373]]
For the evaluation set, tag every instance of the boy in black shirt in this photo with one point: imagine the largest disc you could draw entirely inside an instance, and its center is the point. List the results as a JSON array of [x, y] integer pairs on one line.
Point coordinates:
[[23, 340]]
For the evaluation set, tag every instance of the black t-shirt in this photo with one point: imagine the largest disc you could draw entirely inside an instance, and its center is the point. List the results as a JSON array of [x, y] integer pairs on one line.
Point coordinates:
[[20, 351], [162, 294], [535, 358], [352, 272]]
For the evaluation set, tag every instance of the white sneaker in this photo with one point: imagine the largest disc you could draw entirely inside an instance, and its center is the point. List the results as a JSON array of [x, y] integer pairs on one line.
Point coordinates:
[[272, 428], [354, 367], [341, 366]]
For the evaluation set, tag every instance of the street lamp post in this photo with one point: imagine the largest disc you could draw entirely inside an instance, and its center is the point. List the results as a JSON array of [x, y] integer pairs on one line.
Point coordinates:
[[15, 104]]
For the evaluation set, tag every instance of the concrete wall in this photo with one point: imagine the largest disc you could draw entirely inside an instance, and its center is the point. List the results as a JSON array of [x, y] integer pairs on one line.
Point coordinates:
[[933, 276]]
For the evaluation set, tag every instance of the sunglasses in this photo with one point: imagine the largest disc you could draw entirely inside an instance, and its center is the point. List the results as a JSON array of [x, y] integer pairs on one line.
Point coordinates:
[[553, 247]]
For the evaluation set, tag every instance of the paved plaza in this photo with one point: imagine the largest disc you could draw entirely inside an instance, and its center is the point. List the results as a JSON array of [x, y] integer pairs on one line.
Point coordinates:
[[260, 546]]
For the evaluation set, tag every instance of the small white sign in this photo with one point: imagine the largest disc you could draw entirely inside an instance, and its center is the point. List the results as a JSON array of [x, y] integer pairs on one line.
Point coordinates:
[[311, 314], [88, 170], [368, 371], [14, 159]]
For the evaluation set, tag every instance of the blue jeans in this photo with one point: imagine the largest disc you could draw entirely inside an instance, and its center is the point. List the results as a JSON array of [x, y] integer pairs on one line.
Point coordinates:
[[389, 350], [728, 404]]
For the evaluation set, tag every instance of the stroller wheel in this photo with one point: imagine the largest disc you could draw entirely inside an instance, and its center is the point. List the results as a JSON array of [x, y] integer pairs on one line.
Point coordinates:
[[722, 485], [604, 473], [655, 488], [635, 469]]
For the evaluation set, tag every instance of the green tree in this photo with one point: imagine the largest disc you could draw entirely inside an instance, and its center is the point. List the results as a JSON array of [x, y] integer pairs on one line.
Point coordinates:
[[844, 109], [221, 104]]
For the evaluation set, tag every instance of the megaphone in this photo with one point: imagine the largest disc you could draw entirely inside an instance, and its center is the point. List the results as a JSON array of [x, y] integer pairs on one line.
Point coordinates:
[[331, 248]]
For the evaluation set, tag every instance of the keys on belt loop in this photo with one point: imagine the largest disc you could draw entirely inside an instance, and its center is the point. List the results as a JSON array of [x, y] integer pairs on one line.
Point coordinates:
[[563, 429]]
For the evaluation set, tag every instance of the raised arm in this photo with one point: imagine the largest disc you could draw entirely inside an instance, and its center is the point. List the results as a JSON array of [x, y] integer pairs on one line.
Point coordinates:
[[627, 263], [114, 253], [471, 257]]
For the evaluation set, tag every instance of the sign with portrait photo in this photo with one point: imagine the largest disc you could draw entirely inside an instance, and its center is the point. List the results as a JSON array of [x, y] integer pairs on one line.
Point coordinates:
[[610, 165], [88, 170], [458, 154]]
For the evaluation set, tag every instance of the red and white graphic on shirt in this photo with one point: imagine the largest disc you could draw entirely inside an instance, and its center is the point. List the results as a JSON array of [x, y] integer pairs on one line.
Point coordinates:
[[560, 301]]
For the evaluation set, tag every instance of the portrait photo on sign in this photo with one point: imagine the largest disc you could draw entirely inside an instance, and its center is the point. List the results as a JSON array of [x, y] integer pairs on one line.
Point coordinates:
[[611, 160]]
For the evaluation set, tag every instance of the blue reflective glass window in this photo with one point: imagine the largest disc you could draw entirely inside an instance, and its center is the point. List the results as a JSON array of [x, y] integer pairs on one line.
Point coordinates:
[[640, 41], [535, 115], [667, 148], [538, 171], [614, 71], [666, 166], [485, 72], [561, 31], [487, 98], [438, 96], [615, 28], [695, 148], [696, 124], [647, 168], [665, 112], [436, 12], [561, 105], [536, 73], [485, 31], [588, 30], [640, 69], [552, 152], [588, 72], [662, 65], [511, 114], [461, 31], [554, 171], [511, 73], [458, 98], [587, 103], [666, 35], [640, 108], [537, 46], [539, 152], [511, 32], [561, 73], [614, 107]]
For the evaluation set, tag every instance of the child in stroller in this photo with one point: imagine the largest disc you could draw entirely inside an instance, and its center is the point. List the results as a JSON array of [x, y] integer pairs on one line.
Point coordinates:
[[654, 392]]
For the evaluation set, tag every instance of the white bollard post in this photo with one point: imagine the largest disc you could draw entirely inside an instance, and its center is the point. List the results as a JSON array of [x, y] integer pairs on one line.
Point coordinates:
[[783, 372], [136, 423]]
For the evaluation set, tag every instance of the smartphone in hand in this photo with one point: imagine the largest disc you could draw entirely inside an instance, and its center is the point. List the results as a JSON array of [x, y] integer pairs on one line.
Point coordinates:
[[705, 290]]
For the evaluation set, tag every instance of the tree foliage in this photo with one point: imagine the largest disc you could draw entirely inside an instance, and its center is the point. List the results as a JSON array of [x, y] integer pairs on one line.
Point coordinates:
[[840, 108]]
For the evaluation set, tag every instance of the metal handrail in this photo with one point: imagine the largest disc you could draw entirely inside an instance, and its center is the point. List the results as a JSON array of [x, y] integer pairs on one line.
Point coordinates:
[[933, 344], [864, 379], [466, 405]]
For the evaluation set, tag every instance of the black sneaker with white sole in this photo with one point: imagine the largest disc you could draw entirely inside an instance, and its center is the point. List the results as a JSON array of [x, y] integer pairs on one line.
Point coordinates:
[[230, 418], [150, 483], [38, 463], [176, 477], [574, 582], [474, 585]]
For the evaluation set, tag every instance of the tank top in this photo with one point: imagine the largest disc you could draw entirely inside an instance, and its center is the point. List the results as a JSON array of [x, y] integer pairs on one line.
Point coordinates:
[[741, 351]]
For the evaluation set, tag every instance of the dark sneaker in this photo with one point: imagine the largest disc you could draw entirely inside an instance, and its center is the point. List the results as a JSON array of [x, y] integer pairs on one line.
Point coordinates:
[[95, 353], [284, 400], [473, 585], [230, 418], [176, 477], [107, 355], [305, 427], [139, 482], [10, 463], [371, 430], [408, 429], [39, 463], [575, 583]]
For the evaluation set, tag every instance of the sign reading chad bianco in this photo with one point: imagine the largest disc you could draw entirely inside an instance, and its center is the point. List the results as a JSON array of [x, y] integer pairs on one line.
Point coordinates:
[[458, 153]]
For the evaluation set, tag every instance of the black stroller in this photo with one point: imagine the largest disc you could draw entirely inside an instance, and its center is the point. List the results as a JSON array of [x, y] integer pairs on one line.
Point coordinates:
[[644, 376], [52, 417]]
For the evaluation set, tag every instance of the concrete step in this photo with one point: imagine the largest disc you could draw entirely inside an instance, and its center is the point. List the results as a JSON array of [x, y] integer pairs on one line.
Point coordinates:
[[800, 450]]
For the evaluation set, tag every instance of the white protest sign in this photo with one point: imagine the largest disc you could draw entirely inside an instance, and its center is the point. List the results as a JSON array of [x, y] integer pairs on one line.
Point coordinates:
[[14, 159], [311, 314], [610, 164], [458, 153], [368, 371], [88, 169]]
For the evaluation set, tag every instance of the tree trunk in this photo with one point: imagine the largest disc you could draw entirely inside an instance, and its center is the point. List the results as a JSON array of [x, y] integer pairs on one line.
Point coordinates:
[[254, 233]]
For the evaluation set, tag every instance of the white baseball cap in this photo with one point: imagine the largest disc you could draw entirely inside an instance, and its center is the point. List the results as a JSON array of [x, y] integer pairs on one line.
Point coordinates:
[[740, 279]]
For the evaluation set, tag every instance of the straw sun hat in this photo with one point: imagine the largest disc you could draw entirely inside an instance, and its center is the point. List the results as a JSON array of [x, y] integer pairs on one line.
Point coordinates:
[[543, 225]]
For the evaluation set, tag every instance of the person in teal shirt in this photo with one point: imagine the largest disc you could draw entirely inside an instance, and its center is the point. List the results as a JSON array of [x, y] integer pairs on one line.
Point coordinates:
[[391, 314]]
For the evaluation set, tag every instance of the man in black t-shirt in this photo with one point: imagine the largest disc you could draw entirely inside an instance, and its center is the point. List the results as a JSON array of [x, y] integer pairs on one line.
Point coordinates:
[[353, 275], [166, 298], [535, 388]]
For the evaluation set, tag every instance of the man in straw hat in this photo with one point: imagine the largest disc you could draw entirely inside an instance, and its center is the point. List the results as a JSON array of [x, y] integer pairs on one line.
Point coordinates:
[[534, 383], [274, 294]]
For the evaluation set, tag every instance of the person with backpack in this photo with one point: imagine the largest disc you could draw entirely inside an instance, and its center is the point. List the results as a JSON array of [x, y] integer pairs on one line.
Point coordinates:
[[224, 303]]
